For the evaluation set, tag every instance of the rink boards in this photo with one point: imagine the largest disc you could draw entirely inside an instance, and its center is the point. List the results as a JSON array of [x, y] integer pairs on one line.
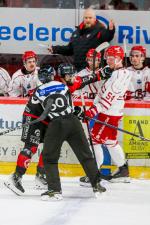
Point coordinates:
[[136, 120]]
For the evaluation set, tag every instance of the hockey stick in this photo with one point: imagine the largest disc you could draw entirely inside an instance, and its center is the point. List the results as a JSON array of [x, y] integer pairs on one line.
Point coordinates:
[[102, 47], [42, 117], [87, 125], [46, 47], [125, 49], [99, 49], [117, 128], [43, 46]]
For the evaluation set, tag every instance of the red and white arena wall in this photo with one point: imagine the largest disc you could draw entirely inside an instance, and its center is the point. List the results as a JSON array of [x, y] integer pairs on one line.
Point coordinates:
[[136, 120]]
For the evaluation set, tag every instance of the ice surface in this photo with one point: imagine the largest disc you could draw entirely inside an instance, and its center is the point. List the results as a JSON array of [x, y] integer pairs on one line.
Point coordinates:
[[123, 204]]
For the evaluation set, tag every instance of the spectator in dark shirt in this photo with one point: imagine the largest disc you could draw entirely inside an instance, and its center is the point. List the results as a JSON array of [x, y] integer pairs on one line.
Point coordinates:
[[89, 34]]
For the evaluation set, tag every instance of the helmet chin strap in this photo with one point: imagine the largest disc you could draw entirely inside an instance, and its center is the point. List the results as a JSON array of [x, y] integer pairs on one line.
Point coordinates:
[[142, 60], [25, 66]]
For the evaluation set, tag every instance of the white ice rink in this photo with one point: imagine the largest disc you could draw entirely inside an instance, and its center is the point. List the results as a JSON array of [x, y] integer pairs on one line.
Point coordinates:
[[124, 204]]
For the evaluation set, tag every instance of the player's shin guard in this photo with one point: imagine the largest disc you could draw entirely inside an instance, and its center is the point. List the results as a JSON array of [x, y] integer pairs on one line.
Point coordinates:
[[23, 162], [117, 154], [99, 155], [24, 159]]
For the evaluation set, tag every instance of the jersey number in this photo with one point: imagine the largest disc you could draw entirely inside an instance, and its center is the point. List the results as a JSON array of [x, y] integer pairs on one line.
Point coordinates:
[[109, 96], [59, 103]]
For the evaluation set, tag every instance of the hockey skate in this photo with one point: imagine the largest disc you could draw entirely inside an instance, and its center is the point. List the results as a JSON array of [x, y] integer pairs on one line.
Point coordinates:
[[121, 175], [14, 184], [98, 190], [85, 182], [51, 195], [40, 181]]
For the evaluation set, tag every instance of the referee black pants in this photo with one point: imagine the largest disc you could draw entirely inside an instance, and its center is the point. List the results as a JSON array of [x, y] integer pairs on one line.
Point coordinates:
[[67, 128]]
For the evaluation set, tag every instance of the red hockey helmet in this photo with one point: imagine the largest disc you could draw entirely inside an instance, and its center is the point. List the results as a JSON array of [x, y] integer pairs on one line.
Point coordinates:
[[115, 51], [28, 55], [137, 49], [90, 53]]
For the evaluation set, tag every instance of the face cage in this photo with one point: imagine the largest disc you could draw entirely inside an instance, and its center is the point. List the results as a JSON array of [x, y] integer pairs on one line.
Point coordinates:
[[44, 78]]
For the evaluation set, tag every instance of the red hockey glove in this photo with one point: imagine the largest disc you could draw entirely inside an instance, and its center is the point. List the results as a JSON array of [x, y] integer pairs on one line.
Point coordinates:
[[30, 92], [147, 86], [91, 112], [98, 74], [128, 95]]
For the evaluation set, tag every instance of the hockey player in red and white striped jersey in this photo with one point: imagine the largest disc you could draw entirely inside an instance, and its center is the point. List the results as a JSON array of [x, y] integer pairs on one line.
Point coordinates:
[[108, 106], [139, 87], [89, 91], [25, 80], [4, 82]]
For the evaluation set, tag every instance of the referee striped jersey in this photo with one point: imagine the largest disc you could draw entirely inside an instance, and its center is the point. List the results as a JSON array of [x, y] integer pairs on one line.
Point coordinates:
[[60, 96]]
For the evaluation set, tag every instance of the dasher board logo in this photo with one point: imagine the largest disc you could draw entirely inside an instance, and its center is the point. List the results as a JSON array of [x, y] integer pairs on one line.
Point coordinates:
[[103, 20], [134, 147]]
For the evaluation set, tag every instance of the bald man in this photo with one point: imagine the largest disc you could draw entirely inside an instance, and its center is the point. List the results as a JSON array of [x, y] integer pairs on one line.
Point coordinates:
[[89, 34]]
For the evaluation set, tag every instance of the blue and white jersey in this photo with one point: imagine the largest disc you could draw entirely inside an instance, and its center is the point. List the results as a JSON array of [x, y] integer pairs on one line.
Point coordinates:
[[60, 96]]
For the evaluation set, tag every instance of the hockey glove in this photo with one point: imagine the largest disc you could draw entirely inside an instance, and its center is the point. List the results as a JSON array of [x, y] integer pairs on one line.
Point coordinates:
[[91, 112], [106, 73], [78, 112], [139, 94], [147, 86], [30, 92], [128, 95], [98, 75]]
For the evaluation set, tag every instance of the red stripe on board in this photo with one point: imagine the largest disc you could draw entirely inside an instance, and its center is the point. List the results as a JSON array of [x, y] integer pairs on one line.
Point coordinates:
[[79, 102], [137, 104], [13, 100], [128, 104]]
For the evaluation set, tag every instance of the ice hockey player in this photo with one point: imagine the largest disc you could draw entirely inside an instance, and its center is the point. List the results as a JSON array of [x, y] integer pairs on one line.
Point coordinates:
[[93, 66], [32, 135], [23, 83], [58, 96], [108, 105], [4, 82], [90, 91], [25, 80], [139, 87], [74, 81]]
